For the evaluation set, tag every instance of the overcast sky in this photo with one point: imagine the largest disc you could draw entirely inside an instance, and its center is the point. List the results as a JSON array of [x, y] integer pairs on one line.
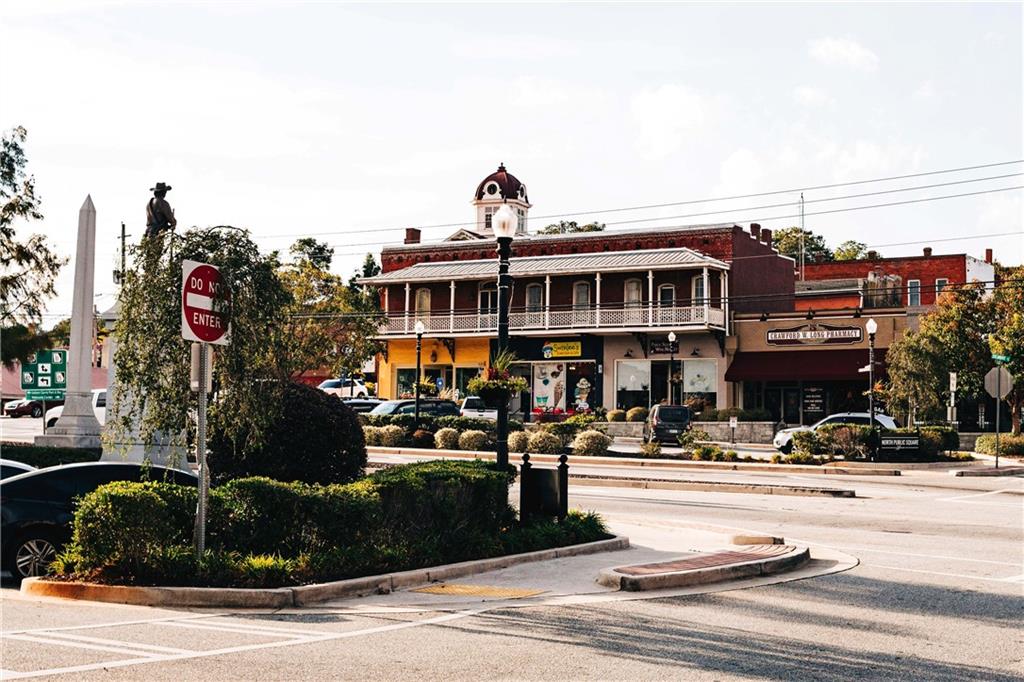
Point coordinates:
[[296, 119]]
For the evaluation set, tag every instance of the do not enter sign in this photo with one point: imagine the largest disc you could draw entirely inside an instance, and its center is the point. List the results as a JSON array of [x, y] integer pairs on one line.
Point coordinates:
[[205, 304]]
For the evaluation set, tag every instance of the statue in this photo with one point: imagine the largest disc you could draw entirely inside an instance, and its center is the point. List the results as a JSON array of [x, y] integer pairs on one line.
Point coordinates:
[[159, 214]]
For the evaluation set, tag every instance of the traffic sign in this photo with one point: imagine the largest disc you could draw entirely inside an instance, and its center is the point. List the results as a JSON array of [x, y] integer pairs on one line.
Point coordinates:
[[45, 394], [205, 304], [47, 370], [998, 382], [952, 381], [1000, 358]]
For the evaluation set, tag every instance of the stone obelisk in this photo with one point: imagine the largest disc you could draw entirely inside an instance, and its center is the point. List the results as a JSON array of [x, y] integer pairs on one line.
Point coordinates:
[[77, 426]]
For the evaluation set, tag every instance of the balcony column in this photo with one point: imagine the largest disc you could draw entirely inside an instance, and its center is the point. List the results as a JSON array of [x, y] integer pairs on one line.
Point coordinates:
[[597, 300], [407, 287], [451, 308], [650, 297], [707, 297], [547, 301], [724, 276]]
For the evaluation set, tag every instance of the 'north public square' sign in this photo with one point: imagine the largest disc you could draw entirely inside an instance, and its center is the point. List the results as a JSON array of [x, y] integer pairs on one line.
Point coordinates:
[[205, 304]]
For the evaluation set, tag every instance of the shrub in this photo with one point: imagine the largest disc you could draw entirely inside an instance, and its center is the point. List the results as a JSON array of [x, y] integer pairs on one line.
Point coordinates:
[[316, 438], [706, 453], [636, 414], [709, 414], [652, 449], [808, 442], [544, 443], [581, 420], [616, 415], [802, 458], [518, 441], [41, 457], [591, 444], [472, 440], [1008, 444], [446, 439], [689, 438], [371, 434], [730, 456], [392, 436], [421, 438], [756, 414], [776, 458]]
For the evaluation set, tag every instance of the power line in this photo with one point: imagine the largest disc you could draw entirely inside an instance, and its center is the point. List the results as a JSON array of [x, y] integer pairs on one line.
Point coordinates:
[[668, 204]]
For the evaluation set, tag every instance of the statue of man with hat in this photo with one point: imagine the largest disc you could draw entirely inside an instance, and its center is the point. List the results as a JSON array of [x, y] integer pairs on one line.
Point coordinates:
[[159, 214]]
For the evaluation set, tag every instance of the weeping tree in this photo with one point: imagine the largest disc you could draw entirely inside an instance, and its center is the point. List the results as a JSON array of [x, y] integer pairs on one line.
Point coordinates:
[[152, 375]]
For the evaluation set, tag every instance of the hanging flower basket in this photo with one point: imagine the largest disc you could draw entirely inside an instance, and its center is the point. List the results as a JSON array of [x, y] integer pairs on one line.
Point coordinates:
[[496, 386]]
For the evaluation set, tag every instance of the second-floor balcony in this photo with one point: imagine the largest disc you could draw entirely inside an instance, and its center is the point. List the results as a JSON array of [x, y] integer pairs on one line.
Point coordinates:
[[625, 318]]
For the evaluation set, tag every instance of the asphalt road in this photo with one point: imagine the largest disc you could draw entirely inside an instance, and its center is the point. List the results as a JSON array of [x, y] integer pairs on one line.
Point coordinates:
[[937, 596]]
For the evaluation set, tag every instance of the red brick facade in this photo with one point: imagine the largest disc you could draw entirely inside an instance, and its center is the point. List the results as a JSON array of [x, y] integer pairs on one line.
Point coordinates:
[[924, 269]]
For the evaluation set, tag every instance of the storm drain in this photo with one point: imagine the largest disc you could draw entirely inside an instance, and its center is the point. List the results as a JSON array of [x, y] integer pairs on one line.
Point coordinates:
[[456, 590]]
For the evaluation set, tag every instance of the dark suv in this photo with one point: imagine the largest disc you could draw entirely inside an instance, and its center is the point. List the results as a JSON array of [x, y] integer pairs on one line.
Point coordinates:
[[666, 423], [429, 407]]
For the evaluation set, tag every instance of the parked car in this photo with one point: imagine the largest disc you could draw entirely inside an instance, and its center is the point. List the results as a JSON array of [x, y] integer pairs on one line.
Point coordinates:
[[362, 405], [99, 408], [667, 423], [37, 507], [24, 408], [8, 468], [784, 439], [474, 406], [429, 407], [345, 388]]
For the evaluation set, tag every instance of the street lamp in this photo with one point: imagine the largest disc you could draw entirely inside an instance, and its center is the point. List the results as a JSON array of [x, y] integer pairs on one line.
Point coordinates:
[[671, 366], [872, 328], [416, 386], [504, 223]]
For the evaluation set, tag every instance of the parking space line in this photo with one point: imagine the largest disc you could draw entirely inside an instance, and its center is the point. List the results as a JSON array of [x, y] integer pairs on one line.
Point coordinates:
[[942, 573], [848, 548], [120, 623], [113, 642], [240, 630], [149, 655]]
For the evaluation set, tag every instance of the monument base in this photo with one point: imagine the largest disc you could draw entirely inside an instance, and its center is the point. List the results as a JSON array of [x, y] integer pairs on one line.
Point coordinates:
[[67, 440], [160, 453]]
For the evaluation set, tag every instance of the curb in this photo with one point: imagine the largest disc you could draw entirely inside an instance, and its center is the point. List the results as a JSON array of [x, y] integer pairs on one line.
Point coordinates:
[[708, 486], [1002, 471], [702, 576], [302, 595]]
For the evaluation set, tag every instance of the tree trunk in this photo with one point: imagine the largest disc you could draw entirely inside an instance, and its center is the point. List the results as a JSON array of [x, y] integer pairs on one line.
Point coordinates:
[[1016, 401]]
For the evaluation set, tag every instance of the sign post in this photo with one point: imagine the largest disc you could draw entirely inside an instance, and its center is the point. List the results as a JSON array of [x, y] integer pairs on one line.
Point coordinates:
[[951, 412], [998, 383], [733, 423], [205, 319]]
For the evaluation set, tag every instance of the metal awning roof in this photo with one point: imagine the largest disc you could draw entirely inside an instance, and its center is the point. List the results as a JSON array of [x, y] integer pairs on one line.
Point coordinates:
[[563, 264]]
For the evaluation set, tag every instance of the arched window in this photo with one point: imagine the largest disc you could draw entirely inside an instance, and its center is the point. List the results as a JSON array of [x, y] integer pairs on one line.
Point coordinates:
[[698, 290], [632, 295], [581, 295], [534, 298], [423, 303]]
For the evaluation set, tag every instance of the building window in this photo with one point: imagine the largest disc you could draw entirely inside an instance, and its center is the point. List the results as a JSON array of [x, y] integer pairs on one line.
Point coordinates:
[[488, 214], [521, 227], [667, 295], [488, 298], [423, 303], [698, 290], [581, 295], [534, 298], [633, 293], [913, 292], [940, 284]]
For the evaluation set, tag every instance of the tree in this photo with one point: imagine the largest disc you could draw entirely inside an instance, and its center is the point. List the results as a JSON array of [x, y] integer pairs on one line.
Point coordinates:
[[1008, 336], [28, 268], [850, 250], [317, 253], [787, 242], [915, 368], [571, 227]]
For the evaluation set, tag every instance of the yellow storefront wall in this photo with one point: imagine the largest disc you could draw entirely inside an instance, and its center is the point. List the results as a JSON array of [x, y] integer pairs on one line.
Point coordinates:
[[469, 352]]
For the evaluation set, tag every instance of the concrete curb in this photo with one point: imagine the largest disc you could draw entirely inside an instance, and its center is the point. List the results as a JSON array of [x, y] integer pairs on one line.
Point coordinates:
[[284, 597], [701, 576], [1001, 471], [640, 462], [708, 486]]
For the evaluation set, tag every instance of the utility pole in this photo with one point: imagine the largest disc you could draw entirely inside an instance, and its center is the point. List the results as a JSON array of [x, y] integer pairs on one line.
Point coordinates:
[[802, 236], [124, 243]]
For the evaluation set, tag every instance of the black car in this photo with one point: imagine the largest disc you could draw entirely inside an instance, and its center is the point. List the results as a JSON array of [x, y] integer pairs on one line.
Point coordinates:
[[429, 407], [361, 405], [666, 423], [37, 507]]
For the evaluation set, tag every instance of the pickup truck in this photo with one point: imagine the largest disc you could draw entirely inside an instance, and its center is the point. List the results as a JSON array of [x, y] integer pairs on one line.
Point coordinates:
[[475, 407]]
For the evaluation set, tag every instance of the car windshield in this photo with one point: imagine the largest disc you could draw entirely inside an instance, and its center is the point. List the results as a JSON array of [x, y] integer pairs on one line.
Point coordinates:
[[330, 383], [385, 408], [674, 414]]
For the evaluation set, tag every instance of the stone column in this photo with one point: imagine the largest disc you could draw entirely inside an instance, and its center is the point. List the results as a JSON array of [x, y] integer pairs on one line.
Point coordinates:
[[77, 426]]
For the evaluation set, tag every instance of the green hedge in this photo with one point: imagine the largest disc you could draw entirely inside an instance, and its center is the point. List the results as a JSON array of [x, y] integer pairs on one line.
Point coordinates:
[[854, 442], [263, 533], [710, 414], [41, 457], [1008, 444]]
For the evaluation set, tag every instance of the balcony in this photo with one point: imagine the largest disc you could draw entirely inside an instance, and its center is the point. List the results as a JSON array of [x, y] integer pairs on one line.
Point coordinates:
[[605, 318]]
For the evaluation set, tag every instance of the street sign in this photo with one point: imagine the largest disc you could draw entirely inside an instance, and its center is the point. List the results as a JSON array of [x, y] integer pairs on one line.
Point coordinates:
[[1000, 358], [998, 382], [45, 394], [205, 304], [865, 368], [733, 422], [952, 381], [893, 443], [47, 370]]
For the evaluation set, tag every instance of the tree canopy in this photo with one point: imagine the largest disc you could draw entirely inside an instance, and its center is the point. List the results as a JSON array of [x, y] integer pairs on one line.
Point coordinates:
[[850, 250], [570, 227], [816, 250]]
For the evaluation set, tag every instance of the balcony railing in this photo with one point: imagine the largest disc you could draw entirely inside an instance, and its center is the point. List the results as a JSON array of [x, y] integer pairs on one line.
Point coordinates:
[[674, 317]]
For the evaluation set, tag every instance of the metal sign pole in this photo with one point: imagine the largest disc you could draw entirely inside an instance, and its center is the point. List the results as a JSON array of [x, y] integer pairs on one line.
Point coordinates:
[[999, 392], [204, 479]]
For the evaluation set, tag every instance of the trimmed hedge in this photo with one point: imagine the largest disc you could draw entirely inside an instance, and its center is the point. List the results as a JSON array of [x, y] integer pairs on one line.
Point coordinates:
[[446, 439], [1008, 444], [264, 533], [636, 414], [852, 441], [472, 440], [518, 441], [591, 444], [616, 415], [41, 457], [544, 443]]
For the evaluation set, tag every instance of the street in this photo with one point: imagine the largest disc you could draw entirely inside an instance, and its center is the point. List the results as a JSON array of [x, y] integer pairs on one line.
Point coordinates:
[[937, 595]]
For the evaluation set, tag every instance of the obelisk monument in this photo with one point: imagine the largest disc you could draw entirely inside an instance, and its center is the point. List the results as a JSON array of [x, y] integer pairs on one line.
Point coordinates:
[[77, 426]]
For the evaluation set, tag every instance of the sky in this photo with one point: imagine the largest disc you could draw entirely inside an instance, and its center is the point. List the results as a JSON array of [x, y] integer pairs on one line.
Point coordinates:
[[351, 122]]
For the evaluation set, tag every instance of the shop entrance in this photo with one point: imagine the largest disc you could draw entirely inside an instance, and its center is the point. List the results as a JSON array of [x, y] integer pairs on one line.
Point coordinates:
[[783, 402]]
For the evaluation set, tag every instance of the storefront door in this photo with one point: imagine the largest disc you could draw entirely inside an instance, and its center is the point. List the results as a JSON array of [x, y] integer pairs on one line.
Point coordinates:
[[783, 403]]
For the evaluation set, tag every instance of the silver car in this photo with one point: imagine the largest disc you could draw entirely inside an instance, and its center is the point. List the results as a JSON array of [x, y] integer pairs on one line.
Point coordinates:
[[784, 439]]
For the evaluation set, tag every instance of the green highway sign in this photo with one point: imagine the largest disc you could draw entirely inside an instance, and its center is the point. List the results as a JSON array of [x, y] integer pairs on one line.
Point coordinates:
[[47, 370], [1001, 358], [44, 394]]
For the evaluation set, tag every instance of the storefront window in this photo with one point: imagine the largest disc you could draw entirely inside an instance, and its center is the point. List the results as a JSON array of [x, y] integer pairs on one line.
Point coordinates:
[[632, 383], [700, 381], [549, 386], [405, 379], [581, 385], [462, 377]]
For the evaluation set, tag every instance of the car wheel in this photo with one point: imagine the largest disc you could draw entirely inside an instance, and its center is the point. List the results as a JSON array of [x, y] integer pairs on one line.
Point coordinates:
[[37, 411], [787, 448], [32, 555], [50, 424]]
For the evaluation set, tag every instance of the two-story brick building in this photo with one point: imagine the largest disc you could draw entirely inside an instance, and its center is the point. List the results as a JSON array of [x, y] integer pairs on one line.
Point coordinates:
[[590, 312]]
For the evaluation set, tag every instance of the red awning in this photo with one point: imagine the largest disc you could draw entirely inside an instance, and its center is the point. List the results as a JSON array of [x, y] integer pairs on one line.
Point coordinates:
[[806, 365]]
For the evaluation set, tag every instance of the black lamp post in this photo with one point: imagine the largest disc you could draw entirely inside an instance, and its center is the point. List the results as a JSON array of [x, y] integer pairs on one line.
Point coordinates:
[[416, 385], [504, 223], [872, 328], [671, 367]]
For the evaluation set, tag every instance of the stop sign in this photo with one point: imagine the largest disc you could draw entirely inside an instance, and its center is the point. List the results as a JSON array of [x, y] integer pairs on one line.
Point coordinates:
[[205, 299]]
